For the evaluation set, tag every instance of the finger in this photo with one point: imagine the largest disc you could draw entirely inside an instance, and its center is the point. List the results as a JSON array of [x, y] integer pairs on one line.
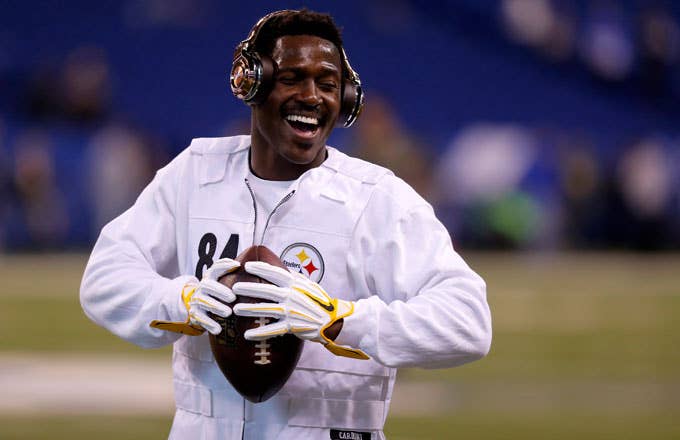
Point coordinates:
[[204, 302], [318, 291], [276, 275], [260, 290], [305, 332], [306, 317], [221, 267], [310, 293], [300, 277], [270, 310], [201, 318], [218, 290], [266, 331]]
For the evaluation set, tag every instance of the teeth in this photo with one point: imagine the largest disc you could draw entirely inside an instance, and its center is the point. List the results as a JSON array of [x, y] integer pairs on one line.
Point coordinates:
[[303, 119]]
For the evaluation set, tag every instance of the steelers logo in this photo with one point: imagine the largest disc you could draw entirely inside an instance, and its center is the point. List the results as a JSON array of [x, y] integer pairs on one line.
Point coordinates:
[[305, 259]]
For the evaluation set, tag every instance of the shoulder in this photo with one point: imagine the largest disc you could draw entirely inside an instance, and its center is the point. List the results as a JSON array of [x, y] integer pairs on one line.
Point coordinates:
[[205, 159], [394, 199], [355, 168], [387, 191], [219, 145], [211, 147]]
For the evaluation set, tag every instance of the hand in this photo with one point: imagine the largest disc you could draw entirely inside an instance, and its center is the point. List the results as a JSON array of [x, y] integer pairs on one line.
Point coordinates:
[[303, 307], [202, 297]]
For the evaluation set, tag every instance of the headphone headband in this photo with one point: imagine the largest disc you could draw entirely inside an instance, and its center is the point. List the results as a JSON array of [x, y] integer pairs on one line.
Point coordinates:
[[255, 31], [252, 75]]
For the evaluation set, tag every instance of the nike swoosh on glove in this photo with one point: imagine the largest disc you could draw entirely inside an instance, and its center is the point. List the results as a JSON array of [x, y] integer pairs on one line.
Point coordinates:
[[301, 306]]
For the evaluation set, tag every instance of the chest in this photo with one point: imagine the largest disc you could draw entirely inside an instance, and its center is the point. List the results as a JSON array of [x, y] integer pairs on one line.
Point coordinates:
[[310, 233]]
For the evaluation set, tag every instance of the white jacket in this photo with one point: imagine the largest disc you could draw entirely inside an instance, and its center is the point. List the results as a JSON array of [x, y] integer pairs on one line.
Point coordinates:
[[369, 237]]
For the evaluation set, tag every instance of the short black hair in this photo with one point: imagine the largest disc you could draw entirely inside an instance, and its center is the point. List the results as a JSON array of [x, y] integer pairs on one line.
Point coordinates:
[[302, 22]]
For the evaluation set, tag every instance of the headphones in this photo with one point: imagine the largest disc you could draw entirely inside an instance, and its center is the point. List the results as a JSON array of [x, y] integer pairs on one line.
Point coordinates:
[[252, 75]]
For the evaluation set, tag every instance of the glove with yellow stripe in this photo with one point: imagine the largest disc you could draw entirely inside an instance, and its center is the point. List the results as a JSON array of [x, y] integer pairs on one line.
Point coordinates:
[[301, 306], [199, 298]]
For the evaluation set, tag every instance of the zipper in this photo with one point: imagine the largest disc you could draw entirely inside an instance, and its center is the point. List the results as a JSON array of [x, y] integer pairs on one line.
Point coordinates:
[[252, 196], [278, 205], [271, 214], [281, 202]]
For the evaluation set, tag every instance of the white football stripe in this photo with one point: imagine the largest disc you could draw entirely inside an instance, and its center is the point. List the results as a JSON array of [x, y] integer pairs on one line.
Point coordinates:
[[276, 275], [261, 290]]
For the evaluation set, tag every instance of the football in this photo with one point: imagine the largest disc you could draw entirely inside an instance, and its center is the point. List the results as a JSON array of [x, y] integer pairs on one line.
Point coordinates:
[[256, 369]]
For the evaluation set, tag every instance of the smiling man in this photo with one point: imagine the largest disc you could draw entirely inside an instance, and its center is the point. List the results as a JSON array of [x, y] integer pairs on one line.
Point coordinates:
[[373, 284], [290, 129]]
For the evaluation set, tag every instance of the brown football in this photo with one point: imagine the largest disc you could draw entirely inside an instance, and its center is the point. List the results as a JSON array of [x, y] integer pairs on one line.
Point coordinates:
[[256, 369]]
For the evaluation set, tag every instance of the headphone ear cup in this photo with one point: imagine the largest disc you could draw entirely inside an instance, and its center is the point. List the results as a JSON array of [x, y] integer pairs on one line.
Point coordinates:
[[243, 76], [251, 77], [266, 80], [352, 103]]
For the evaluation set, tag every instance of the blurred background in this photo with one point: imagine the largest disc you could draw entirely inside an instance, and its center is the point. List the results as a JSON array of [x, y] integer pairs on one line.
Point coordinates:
[[545, 133]]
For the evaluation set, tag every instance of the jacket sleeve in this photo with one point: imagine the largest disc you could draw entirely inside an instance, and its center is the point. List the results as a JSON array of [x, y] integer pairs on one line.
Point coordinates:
[[132, 276], [424, 306]]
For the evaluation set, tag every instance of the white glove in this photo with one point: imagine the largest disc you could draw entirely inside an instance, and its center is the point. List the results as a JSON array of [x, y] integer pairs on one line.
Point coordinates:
[[301, 306], [202, 297]]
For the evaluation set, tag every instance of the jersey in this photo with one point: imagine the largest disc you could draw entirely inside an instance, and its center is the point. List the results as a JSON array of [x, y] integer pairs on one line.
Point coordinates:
[[353, 227]]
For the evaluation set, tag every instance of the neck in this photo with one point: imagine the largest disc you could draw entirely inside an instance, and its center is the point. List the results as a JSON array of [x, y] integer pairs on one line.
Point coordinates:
[[274, 167], [267, 163]]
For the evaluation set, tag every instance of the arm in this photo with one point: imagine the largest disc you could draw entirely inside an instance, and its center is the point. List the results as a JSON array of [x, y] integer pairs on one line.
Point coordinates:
[[132, 276], [429, 308]]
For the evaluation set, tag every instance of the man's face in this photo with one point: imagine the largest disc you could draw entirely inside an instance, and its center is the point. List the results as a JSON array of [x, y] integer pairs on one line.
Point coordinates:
[[291, 127]]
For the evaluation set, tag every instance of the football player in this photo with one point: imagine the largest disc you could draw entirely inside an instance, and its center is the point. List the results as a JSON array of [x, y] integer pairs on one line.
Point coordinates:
[[374, 283]]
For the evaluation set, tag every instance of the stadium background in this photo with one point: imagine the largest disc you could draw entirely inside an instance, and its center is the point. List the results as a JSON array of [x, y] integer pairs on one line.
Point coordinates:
[[545, 133]]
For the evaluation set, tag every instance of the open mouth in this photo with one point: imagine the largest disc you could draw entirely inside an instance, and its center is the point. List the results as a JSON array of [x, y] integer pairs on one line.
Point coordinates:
[[304, 126]]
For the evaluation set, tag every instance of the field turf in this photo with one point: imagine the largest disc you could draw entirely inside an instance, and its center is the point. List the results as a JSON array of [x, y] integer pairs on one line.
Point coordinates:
[[585, 346]]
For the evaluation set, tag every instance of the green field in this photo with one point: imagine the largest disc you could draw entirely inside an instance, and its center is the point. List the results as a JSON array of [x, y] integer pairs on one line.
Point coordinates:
[[488, 426], [585, 346]]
